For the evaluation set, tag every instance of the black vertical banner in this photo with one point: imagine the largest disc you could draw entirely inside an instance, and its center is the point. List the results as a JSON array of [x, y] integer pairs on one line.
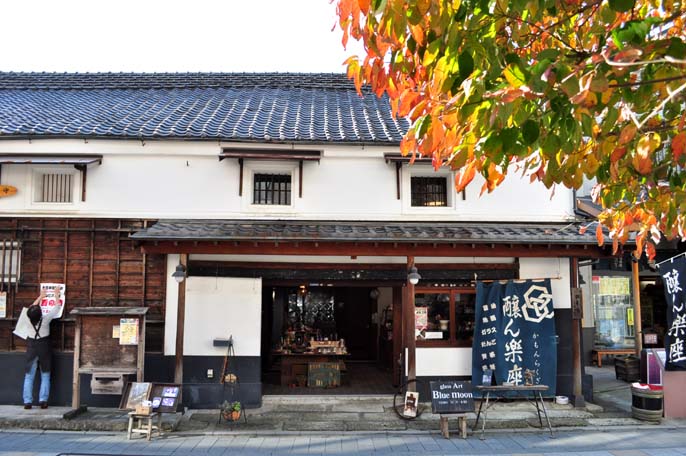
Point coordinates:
[[673, 274], [514, 333]]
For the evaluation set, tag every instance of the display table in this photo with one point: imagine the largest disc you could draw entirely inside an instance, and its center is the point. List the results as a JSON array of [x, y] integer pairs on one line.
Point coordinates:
[[496, 392], [294, 366], [598, 353]]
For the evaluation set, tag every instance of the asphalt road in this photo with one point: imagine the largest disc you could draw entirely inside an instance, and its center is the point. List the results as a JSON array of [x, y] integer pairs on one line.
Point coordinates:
[[616, 442]]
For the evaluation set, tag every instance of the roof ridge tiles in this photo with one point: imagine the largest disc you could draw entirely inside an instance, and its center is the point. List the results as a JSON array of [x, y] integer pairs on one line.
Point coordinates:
[[186, 80]]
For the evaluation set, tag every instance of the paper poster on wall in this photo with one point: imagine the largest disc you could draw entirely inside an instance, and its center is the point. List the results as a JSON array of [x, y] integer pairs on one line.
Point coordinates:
[[421, 319], [3, 304], [128, 331], [53, 303]]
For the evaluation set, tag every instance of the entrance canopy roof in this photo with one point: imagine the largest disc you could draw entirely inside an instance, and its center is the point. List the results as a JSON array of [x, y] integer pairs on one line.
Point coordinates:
[[368, 238]]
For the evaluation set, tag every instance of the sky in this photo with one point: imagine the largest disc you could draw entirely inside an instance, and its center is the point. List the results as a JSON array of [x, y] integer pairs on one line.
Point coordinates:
[[171, 36]]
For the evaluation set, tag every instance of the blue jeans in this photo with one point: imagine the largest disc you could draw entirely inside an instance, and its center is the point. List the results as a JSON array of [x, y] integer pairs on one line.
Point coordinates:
[[30, 376]]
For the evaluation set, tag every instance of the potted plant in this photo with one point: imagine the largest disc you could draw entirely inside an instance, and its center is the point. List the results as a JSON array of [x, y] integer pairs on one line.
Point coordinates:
[[231, 411]]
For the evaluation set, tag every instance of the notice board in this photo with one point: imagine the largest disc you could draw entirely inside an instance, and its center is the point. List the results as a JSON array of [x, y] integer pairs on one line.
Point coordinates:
[[451, 397]]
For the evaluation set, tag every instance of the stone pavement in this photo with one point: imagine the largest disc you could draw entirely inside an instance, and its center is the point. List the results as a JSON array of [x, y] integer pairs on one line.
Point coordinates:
[[618, 442]]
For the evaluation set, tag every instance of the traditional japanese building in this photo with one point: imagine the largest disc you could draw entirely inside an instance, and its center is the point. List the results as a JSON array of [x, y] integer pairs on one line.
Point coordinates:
[[284, 203]]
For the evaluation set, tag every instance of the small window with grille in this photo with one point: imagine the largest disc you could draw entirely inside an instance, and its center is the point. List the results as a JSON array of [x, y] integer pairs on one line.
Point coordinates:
[[54, 188], [272, 189], [10, 261], [429, 191]]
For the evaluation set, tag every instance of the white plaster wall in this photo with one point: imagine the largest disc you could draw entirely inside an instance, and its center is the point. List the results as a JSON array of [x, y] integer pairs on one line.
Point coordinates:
[[216, 308], [185, 179], [557, 269], [444, 361]]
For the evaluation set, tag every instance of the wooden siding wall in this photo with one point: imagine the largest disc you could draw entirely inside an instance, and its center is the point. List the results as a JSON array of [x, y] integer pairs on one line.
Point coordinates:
[[100, 266]]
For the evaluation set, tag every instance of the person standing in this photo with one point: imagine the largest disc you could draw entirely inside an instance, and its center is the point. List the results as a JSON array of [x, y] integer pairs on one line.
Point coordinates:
[[38, 354]]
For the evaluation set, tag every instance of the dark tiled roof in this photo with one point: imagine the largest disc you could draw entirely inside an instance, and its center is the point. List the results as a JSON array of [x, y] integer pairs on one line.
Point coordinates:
[[264, 107], [237, 230]]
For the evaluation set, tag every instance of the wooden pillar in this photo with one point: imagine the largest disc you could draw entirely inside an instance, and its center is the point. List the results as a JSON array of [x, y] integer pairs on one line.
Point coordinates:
[[180, 317], [76, 379], [576, 338], [638, 330], [409, 337], [397, 335]]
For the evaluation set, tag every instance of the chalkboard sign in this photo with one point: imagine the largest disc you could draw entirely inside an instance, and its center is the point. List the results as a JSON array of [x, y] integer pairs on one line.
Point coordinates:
[[451, 397]]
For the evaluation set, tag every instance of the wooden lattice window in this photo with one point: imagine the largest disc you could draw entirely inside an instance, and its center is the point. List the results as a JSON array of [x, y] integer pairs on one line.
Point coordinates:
[[10, 261], [54, 188], [429, 191], [272, 189]]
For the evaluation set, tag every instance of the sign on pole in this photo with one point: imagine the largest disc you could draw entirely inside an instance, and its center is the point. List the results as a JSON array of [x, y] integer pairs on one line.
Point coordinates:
[[674, 275]]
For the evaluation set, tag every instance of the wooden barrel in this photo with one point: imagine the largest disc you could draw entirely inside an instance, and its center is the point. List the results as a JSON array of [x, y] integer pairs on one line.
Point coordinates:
[[646, 404]]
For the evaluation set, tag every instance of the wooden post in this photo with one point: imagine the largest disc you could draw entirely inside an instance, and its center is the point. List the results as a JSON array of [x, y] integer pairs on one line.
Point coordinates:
[[397, 335], [76, 380], [180, 317], [409, 333], [638, 331], [140, 360], [576, 339]]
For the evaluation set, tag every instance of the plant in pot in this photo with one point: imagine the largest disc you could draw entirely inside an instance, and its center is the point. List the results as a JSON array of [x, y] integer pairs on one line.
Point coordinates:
[[231, 411]]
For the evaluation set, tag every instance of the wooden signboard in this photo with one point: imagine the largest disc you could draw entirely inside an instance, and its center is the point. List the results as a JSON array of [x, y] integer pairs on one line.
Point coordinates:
[[451, 397], [323, 375]]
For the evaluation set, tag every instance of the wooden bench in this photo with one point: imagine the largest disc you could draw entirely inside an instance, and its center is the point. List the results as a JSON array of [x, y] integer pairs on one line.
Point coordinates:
[[598, 353]]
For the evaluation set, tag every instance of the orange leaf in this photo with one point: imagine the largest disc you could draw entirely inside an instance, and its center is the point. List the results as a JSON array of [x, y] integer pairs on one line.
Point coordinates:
[[640, 241], [599, 235], [407, 145], [650, 250], [627, 134], [364, 5], [423, 6], [464, 176], [582, 230], [679, 145], [617, 154]]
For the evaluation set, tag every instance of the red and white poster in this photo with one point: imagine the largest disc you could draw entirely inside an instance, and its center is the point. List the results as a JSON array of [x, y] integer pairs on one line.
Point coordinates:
[[53, 302]]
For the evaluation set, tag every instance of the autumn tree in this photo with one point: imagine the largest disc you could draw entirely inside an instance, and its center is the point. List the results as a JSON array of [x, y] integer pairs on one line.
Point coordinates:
[[557, 90]]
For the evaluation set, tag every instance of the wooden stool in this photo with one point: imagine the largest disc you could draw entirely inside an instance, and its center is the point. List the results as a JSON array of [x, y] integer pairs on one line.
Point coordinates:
[[142, 424], [461, 422]]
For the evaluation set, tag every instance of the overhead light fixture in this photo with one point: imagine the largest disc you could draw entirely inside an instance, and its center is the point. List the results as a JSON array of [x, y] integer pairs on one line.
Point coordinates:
[[413, 276], [179, 274]]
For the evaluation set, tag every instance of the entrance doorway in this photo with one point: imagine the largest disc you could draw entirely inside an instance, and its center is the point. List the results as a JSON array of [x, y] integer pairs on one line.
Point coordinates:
[[345, 329]]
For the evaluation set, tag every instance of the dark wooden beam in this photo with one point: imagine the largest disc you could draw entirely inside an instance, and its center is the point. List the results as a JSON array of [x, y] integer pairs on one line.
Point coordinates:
[[240, 177], [180, 320], [367, 249]]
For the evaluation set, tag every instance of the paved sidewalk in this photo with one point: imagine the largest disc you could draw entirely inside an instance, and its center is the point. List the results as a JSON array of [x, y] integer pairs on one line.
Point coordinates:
[[635, 442]]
